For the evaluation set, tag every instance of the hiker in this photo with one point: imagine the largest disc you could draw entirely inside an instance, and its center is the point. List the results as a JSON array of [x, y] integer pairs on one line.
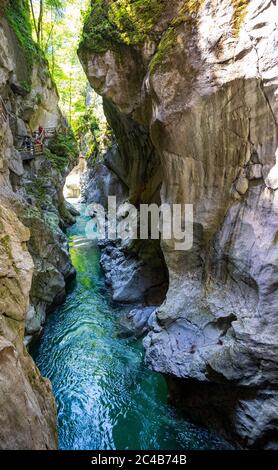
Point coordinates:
[[27, 142], [39, 135]]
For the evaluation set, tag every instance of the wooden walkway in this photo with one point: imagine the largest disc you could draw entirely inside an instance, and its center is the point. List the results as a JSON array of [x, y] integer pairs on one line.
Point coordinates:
[[28, 146], [31, 147]]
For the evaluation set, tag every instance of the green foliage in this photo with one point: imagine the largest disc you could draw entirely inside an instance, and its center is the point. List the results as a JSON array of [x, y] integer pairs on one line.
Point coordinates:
[[62, 151], [186, 15], [167, 43], [55, 4], [240, 8], [39, 193], [109, 24], [98, 32], [88, 122], [61, 30], [6, 243], [25, 85], [93, 131], [18, 16]]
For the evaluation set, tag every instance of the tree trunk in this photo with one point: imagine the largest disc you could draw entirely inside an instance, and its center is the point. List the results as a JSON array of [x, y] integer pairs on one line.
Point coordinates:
[[34, 19], [40, 19]]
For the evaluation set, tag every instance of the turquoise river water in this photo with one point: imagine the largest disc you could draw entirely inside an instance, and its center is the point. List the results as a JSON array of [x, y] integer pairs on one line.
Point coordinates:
[[106, 397]]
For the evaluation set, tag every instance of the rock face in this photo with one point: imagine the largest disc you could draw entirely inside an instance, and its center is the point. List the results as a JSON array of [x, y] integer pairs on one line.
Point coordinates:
[[74, 180], [135, 270], [34, 187], [200, 86], [27, 407], [34, 257]]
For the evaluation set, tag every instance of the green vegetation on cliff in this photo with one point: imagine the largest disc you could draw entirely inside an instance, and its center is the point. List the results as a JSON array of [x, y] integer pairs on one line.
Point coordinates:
[[18, 15], [167, 42], [108, 24], [62, 151], [240, 9], [186, 15], [94, 131]]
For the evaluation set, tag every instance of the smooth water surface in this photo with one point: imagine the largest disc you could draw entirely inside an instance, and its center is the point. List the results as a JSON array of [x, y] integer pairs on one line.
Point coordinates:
[[106, 397]]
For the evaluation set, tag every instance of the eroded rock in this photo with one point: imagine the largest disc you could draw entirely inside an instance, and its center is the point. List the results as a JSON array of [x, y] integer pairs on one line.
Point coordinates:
[[207, 96]]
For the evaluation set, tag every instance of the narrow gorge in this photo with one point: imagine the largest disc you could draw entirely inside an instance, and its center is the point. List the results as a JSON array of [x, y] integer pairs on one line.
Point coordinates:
[[146, 346]]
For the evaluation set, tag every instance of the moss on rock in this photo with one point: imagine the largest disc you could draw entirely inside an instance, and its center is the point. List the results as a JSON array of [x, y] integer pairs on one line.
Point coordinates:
[[62, 151], [6, 244], [187, 14], [111, 23], [240, 10], [166, 44], [18, 16]]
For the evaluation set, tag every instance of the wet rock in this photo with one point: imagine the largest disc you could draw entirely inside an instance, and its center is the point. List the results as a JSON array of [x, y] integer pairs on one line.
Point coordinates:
[[72, 209], [135, 270], [138, 321]]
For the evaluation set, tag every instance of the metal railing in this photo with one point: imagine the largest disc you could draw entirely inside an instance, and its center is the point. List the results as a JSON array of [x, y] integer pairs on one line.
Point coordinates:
[[37, 149], [28, 146], [47, 133], [50, 132]]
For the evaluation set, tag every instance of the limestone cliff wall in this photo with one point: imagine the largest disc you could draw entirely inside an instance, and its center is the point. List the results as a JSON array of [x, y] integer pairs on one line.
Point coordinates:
[[34, 257], [27, 407], [200, 78]]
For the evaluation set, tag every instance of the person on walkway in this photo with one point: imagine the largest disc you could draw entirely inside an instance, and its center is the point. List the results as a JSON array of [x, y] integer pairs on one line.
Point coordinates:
[[27, 143], [41, 130], [39, 136]]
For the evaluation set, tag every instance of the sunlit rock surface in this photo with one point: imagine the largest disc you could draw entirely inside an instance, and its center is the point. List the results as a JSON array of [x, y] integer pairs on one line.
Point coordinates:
[[27, 407], [74, 180]]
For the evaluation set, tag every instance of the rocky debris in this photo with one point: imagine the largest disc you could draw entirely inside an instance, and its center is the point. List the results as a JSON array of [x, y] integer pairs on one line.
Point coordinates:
[[203, 97]]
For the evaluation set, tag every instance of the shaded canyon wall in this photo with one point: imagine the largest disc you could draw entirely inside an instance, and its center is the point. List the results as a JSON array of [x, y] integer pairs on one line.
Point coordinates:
[[199, 78]]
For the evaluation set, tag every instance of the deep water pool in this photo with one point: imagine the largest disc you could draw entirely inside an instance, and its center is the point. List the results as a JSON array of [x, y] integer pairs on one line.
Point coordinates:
[[106, 397]]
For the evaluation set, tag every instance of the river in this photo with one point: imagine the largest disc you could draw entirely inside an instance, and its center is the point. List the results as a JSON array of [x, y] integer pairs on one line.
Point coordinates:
[[106, 397]]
